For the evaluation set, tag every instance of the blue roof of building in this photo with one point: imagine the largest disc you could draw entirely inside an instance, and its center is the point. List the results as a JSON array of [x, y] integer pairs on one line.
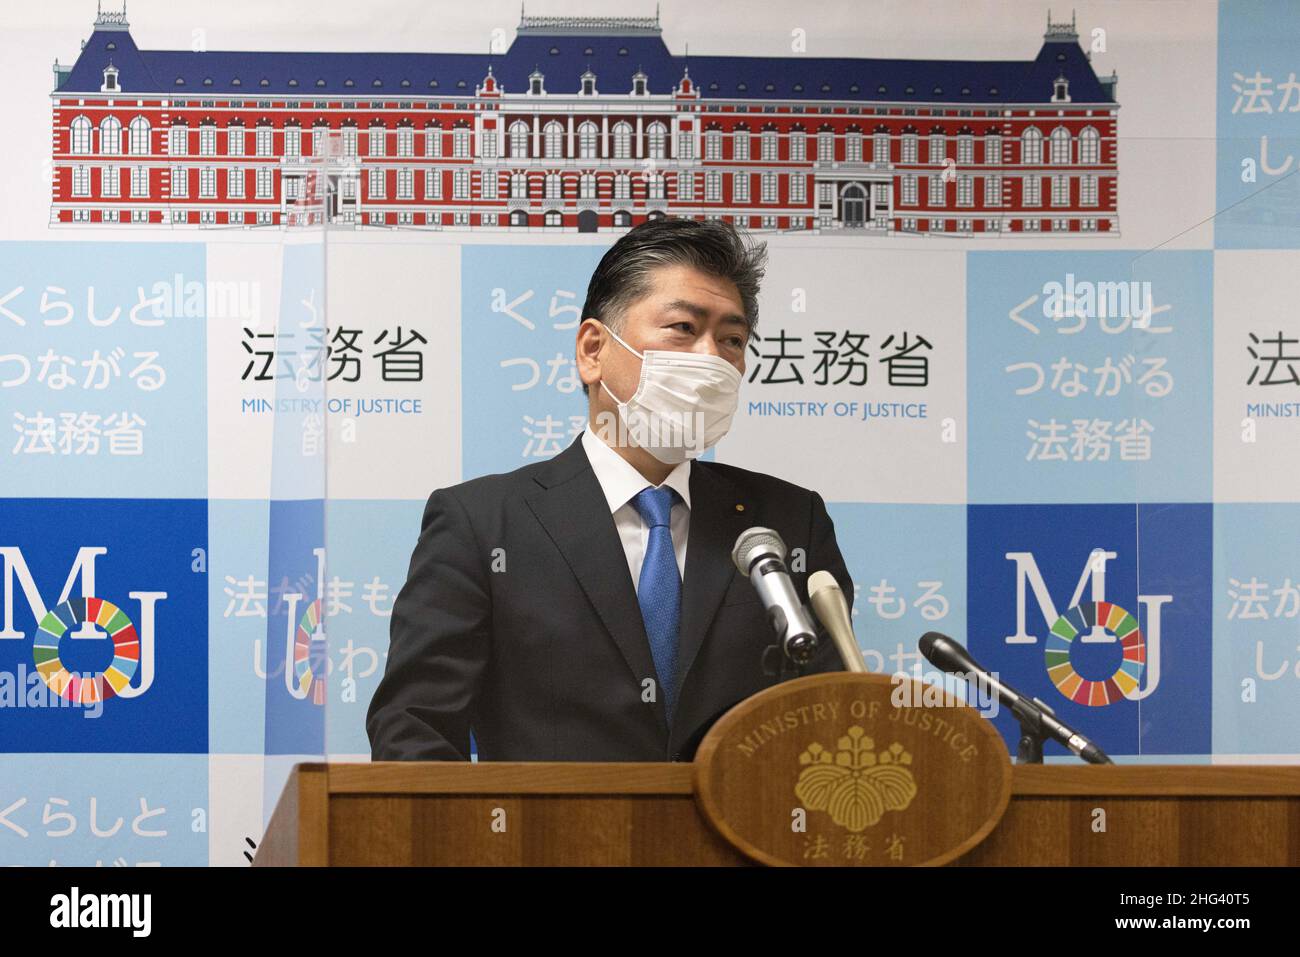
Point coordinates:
[[613, 59]]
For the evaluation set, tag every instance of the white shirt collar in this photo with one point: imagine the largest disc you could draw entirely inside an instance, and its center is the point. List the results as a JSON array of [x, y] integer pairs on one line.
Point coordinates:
[[620, 481]]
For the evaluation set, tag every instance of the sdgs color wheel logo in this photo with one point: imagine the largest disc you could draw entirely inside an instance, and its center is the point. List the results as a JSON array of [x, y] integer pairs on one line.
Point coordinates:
[[1081, 619], [100, 686], [310, 655]]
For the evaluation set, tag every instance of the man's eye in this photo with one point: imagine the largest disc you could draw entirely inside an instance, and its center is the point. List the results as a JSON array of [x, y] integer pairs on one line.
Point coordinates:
[[687, 325]]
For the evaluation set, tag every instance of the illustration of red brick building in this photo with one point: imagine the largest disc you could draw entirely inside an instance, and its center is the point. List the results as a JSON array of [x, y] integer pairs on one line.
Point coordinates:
[[586, 124]]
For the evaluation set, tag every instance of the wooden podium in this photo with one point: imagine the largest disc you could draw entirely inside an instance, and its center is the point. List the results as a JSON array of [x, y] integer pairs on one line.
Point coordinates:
[[833, 769]]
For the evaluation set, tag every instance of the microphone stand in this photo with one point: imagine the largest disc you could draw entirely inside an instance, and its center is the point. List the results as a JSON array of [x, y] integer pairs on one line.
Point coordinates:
[[1030, 749], [776, 657], [778, 664], [1032, 735]]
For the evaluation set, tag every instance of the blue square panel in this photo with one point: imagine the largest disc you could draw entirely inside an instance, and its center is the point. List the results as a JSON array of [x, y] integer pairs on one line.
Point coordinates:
[[1102, 612], [104, 644]]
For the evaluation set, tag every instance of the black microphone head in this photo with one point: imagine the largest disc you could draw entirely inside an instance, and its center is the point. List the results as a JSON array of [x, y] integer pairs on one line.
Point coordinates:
[[946, 654], [753, 543], [952, 657]]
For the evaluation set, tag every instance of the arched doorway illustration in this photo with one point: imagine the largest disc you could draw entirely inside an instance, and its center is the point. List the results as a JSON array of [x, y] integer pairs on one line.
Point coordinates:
[[853, 205]]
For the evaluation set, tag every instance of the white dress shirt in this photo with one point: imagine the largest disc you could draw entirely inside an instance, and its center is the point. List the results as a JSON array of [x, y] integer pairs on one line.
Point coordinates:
[[621, 482]]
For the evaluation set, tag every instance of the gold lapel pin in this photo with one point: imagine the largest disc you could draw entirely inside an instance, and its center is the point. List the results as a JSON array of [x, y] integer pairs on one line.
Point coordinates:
[[739, 507]]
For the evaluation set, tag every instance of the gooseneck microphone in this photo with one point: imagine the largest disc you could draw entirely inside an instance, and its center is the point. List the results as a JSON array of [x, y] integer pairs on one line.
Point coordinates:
[[832, 610], [948, 655], [759, 555]]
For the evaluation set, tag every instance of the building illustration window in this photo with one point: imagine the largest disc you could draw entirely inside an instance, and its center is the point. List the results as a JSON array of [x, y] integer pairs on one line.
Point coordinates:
[[1060, 190], [1032, 191], [110, 136], [139, 136], [1060, 146], [1088, 190], [80, 140], [1089, 146], [1031, 146]]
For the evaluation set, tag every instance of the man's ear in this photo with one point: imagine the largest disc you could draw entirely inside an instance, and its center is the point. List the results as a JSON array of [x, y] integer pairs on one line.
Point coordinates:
[[590, 340]]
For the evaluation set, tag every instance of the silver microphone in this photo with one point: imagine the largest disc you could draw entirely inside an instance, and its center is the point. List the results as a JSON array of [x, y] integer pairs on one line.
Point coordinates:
[[759, 555]]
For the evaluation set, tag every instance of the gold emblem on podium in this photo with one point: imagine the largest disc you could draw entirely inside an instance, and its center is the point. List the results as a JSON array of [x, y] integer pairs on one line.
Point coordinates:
[[855, 784]]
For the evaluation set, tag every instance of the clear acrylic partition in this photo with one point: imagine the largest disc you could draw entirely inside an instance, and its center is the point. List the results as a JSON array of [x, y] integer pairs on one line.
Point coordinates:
[[297, 650], [1216, 365], [1166, 359], [1096, 348], [1127, 492], [1076, 546], [1229, 625], [1129, 372]]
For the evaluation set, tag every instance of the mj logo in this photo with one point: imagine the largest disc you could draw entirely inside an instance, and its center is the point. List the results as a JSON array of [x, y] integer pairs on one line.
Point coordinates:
[[1091, 621], [84, 618]]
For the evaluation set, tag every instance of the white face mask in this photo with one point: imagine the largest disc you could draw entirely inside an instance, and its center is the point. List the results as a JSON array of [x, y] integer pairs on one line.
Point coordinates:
[[683, 404]]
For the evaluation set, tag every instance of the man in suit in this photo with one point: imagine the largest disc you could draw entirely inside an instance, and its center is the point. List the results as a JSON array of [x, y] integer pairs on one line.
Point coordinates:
[[586, 608]]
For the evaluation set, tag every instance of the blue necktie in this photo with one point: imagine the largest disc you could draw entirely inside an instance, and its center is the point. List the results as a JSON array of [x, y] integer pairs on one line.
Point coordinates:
[[659, 590]]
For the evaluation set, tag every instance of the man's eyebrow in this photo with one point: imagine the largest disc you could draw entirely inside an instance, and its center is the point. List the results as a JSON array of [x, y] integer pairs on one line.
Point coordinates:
[[685, 305], [700, 312]]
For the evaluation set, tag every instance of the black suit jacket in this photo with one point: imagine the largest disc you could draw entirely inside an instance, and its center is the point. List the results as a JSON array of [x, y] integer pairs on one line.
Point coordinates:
[[519, 620]]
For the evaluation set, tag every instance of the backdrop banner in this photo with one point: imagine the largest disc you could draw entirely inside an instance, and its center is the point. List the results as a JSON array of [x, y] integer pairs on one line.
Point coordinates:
[[271, 274]]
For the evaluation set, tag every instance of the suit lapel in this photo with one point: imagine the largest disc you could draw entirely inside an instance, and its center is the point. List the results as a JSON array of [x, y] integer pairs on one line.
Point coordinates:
[[571, 507], [719, 513]]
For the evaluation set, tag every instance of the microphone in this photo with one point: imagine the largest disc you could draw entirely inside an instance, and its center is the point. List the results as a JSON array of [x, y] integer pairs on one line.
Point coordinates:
[[832, 610], [1033, 715], [759, 554]]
